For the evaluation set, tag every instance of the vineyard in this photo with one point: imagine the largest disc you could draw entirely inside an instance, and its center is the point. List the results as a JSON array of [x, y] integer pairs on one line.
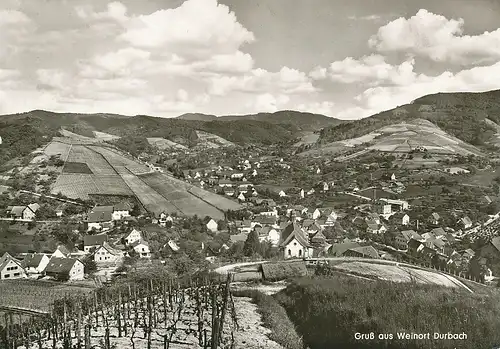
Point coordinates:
[[34, 294], [148, 197], [96, 162], [116, 160], [74, 185], [152, 314]]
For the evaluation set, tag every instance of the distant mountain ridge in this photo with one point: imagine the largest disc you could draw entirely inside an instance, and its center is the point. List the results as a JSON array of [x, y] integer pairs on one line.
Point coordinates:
[[305, 121]]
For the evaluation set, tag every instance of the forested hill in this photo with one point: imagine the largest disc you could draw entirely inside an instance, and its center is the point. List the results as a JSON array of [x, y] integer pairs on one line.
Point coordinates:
[[472, 117]]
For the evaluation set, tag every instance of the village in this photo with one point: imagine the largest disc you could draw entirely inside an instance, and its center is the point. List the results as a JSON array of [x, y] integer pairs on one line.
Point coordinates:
[[369, 217]]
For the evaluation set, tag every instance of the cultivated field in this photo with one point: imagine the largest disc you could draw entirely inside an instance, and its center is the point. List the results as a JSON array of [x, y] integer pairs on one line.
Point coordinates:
[[104, 136], [118, 160], [82, 185], [149, 198], [162, 143], [212, 141], [179, 197], [95, 161], [76, 167], [57, 148], [76, 138], [35, 294], [189, 199]]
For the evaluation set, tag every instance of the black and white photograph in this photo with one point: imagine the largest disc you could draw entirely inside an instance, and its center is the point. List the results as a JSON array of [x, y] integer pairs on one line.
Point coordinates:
[[249, 174]]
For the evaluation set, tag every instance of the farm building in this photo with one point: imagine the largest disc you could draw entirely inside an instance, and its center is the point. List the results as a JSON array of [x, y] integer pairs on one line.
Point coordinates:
[[100, 217], [121, 210], [65, 269], [35, 263], [362, 252], [11, 268], [93, 241], [23, 212], [295, 242], [283, 270]]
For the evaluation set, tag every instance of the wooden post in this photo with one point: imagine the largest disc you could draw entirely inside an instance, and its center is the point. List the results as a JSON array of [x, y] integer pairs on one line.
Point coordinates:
[[7, 331], [224, 306], [87, 336]]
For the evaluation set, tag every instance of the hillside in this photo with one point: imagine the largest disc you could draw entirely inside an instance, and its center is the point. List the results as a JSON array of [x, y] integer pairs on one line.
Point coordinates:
[[402, 137], [301, 120], [466, 116], [22, 133]]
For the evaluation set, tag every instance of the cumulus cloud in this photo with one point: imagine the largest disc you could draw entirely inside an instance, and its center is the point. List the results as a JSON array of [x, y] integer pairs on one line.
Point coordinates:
[[269, 103], [369, 69], [438, 38], [380, 98], [325, 107]]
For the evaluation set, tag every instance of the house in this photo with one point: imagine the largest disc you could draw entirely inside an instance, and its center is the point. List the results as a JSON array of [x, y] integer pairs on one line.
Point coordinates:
[[465, 222], [405, 220], [434, 218], [295, 242], [35, 263], [402, 238], [23, 212], [269, 234], [11, 268], [393, 177], [133, 236], [65, 269], [63, 252], [101, 217], [241, 197], [121, 210], [374, 228], [325, 186], [327, 213], [362, 252], [141, 247], [212, 226], [282, 194], [164, 219], [93, 241], [241, 237], [338, 249], [105, 254]]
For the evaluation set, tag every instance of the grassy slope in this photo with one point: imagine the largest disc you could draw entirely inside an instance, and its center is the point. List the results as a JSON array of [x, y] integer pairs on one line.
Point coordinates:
[[275, 318], [329, 311], [462, 115]]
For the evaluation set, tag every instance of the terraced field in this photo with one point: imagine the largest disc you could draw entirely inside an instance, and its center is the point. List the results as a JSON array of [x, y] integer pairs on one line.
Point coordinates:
[[76, 185], [179, 196], [114, 173], [96, 162], [118, 160], [149, 197], [57, 148]]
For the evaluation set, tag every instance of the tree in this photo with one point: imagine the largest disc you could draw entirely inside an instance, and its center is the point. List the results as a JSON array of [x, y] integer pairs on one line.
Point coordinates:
[[252, 244], [90, 265]]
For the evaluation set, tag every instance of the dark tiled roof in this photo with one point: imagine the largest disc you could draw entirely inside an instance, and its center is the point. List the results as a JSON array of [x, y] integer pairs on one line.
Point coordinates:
[[95, 240], [32, 260], [60, 265]]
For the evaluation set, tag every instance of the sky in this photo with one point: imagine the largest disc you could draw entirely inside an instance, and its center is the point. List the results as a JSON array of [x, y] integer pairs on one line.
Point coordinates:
[[345, 58]]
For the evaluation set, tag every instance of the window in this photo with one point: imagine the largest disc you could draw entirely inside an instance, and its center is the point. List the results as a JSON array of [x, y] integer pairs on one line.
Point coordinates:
[[6, 276], [17, 274], [289, 252], [300, 253], [294, 244]]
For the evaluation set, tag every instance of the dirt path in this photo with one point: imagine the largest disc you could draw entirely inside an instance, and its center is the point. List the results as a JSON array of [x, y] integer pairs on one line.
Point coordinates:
[[251, 334]]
